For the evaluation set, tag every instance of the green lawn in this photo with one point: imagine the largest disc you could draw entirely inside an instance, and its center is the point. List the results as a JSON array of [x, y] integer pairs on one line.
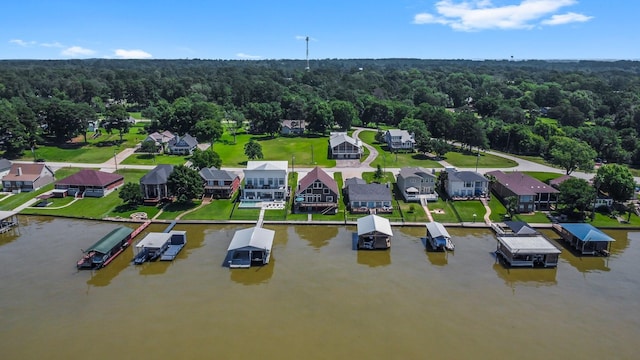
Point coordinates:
[[442, 211], [545, 177], [150, 159], [219, 209], [398, 160], [172, 210], [469, 160], [466, 210], [308, 151], [95, 151], [412, 212]]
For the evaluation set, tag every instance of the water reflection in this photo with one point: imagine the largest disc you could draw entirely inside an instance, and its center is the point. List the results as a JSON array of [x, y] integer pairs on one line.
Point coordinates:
[[583, 263], [104, 276], [317, 236], [254, 275], [374, 258], [537, 277], [437, 258]]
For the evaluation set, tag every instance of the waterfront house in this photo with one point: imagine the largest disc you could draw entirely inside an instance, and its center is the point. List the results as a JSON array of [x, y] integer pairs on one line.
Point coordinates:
[[27, 177], [532, 194], [399, 140], [416, 183], [91, 183], [585, 239], [369, 198], [317, 191], [265, 181], [374, 232], [219, 183], [154, 184], [465, 184], [343, 146], [182, 145], [293, 127], [5, 167], [249, 247]]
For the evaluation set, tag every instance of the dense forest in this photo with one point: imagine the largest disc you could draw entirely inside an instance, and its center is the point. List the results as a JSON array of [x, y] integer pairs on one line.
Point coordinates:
[[521, 107]]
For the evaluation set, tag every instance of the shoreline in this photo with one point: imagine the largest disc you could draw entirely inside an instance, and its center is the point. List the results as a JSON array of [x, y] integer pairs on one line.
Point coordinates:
[[468, 225]]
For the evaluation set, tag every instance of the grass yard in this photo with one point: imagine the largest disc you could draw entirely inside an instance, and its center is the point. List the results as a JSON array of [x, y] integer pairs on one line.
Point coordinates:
[[150, 159], [605, 221], [412, 212], [219, 209], [543, 176], [95, 151], [466, 210], [308, 151], [441, 211], [172, 210], [469, 160], [398, 160]]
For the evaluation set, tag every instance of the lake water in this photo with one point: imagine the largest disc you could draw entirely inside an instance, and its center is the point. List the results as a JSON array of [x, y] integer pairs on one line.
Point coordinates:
[[317, 299]]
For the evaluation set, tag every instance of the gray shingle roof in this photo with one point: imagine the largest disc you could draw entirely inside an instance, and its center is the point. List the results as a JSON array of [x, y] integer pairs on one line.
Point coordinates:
[[216, 174], [158, 175], [415, 171], [369, 192], [466, 176]]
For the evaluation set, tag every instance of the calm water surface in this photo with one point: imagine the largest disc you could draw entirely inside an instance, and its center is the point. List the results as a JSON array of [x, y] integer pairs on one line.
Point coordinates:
[[317, 299]]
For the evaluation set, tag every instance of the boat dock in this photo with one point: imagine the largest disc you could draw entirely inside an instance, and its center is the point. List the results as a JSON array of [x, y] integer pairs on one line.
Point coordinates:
[[8, 220]]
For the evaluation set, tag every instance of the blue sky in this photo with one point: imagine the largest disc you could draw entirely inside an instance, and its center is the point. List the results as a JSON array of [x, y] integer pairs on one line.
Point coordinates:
[[342, 29]]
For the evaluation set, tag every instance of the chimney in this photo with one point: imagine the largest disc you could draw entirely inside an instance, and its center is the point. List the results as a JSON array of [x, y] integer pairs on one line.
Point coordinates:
[[19, 171]]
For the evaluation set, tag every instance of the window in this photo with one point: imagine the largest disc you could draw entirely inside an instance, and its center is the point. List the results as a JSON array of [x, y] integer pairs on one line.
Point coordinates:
[[325, 191], [329, 198], [317, 185], [468, 184]]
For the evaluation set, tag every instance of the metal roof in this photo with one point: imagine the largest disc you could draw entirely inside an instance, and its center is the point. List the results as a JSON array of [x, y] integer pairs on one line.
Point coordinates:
[[371, 223], [339, 138], [521, 228], [110, 240], [586, 232], [154, 240], [267, 165], [89, 177], [528, 245], [436, 229], [255, 237]]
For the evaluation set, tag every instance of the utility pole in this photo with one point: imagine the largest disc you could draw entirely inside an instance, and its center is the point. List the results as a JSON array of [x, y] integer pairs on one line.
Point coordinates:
[[115, 160], [307, 68]]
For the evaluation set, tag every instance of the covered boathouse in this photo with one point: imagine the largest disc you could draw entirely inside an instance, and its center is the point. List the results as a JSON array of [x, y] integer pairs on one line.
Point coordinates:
[[99, 254], [527, 250], [249, 247], [374, 232], [586, 239]]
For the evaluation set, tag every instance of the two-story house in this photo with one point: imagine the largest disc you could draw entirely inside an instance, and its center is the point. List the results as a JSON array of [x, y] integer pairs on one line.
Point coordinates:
[[399, 140], [265, 181], [154, 184], [417, 183], [293, 127], [464, 184], [160, 139], [182, 145], [532, 194], [343, 146], [27, 177], [219, 183], [317, 191], [368, 198]]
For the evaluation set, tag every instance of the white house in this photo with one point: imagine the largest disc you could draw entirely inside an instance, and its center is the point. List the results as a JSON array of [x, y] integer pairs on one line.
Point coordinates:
[[182, 145], [417, 183], [399, 140], [265, 181], [466, 184]]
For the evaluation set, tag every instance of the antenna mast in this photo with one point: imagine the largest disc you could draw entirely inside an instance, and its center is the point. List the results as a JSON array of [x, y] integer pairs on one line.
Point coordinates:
[[307, 68]]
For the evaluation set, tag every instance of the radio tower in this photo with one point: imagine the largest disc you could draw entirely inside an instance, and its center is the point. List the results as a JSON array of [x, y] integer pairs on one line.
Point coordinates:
[[307, 68]]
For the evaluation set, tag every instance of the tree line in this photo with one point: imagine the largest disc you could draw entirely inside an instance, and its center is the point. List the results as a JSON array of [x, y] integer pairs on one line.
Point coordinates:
[[540, 108]]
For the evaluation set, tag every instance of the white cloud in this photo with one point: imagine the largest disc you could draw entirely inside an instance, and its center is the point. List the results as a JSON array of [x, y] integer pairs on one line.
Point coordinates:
[[248, 57], [52, 45], [475, 15], [566, 19], [76, 51], [22, 42], [132, 54]]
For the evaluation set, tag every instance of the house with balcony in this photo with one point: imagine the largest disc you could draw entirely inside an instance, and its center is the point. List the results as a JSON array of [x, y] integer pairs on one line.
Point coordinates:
[[154, 184], [368, 198], [399, 140], [416, 183], [27, 177], [317, 191], [161, 139], [343, 146], [532, 194], [265, 181], [219, 184], [465, 184]]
